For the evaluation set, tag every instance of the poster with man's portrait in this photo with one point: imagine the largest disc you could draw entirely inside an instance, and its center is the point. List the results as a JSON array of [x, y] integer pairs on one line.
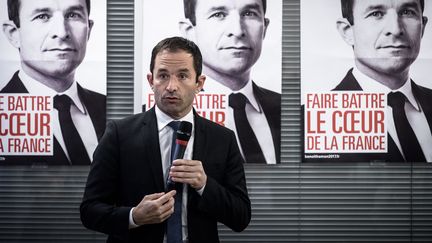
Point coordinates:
[[52, 81], [365, 84], [240, 41]]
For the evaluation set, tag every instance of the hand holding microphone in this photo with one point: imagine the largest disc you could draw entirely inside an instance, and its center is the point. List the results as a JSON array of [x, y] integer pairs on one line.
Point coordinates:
[[186, 171]]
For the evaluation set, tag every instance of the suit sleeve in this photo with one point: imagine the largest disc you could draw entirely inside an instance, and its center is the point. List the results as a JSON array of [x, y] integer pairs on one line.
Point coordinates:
[[98, 208], [227, 200]]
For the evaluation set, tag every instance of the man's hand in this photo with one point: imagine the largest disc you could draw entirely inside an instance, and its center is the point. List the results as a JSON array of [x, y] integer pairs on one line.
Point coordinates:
[[154, 208], [189, 172]]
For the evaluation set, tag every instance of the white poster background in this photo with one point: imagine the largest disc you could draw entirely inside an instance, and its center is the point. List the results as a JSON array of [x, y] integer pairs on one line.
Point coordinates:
[[160, 20], [91, 74], [326, 58]]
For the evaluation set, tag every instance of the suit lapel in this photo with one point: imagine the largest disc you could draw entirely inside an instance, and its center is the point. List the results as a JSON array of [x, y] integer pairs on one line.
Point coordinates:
[[422, 98], [200, 138], [273, 115], [15, 85], [150, 140], [97, 116]]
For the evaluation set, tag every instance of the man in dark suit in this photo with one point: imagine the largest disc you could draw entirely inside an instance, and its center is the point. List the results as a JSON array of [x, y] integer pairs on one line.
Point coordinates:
[[126, 195], [51, 37], [230, 49], [385, 36]]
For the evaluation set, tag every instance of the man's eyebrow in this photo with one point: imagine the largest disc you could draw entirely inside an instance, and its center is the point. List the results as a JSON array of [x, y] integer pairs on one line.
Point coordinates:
[[254, 6], [414, 5], [217, 8], [40, 10], [78, 8], [374, 7]]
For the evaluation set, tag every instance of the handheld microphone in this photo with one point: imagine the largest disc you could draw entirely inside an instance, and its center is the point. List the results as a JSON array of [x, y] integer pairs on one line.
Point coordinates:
[[183, 135]]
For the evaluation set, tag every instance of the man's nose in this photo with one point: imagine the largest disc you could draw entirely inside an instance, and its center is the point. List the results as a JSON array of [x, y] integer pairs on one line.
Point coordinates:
[[235, 26], [394, 24], [172, 84], [59, 28]]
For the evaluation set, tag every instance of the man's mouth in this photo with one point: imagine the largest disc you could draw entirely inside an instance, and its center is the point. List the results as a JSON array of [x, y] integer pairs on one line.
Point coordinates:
[[66, 49], [238, 48], [398, 47]]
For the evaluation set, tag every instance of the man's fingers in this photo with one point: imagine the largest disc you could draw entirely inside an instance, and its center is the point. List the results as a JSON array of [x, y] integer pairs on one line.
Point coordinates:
[[153, 196]]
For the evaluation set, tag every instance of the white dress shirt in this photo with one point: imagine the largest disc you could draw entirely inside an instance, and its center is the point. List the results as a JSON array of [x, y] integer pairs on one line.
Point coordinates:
[[413, 110], [79, 113], [255, 116]]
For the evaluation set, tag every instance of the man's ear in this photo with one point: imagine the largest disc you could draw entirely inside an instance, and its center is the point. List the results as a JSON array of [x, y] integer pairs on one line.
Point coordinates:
[[266, 24], [425, 20], [11, 32], [200, 83], [150, 79], [90, 23], [345, 30], [187, 29]]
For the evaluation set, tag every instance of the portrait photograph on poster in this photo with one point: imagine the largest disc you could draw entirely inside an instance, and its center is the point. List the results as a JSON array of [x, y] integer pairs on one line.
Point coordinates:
[[52, 81], [241, 45], [365, 84]]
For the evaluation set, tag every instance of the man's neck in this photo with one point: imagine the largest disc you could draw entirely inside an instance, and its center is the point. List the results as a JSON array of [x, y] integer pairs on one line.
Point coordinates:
[[233, 82], [59, 84], [393, 81]]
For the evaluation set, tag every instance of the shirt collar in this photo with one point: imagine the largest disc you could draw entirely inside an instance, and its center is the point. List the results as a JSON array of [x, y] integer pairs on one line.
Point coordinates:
[[214, 86], [164, 119], [370, 85], [35, 87]]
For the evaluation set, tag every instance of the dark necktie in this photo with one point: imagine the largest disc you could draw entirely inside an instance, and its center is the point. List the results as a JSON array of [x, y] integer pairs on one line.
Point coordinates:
[[74, 145], [248, 141], [408, 140], [174, 223]]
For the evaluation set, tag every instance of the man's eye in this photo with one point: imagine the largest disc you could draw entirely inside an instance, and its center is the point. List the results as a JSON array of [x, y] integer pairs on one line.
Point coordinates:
[[250, 14], [408, 12], [163, 76], [73, 15], [376, 14], [182, 76], [218, 15], [42, 17]]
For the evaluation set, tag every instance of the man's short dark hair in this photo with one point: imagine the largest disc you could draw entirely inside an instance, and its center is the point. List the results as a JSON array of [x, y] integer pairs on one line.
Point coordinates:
[[14, 7], [190, 6], [174, 44], [347, 9]]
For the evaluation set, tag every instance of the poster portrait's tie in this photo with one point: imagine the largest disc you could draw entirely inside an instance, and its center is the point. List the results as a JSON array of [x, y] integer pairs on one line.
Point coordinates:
[[174, 222], [248, 141], [74, 145], [408, 140]]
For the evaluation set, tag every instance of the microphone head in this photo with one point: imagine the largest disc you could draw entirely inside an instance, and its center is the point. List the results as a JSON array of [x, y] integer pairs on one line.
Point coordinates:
[[184, 131]]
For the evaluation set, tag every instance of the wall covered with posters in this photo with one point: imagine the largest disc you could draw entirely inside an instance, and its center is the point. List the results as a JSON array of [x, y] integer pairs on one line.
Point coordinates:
[[335, 201]]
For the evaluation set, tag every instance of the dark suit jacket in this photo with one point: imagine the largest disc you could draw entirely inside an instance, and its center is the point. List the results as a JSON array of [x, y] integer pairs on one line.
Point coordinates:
[[95, 104], [422, 94], [127, 166], [271, 103]]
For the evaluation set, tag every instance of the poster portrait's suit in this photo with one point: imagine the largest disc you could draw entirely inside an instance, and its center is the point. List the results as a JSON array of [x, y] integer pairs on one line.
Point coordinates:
[[127, 166], [271, 104], [95, 104], [423, 96]]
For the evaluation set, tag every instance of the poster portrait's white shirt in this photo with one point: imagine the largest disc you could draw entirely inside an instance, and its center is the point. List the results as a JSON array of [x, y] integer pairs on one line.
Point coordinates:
[[254, 113], [79, 113], [413, 110], [165, 138]]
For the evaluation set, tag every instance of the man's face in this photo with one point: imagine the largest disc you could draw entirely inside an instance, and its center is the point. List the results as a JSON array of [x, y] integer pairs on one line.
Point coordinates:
[[230, 34], [53, 36], [174, 82], [387, 34]]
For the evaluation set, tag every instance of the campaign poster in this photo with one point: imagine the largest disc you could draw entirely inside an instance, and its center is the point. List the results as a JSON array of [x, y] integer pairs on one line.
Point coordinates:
[[51, 51], [233, 28], [347, 72]]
